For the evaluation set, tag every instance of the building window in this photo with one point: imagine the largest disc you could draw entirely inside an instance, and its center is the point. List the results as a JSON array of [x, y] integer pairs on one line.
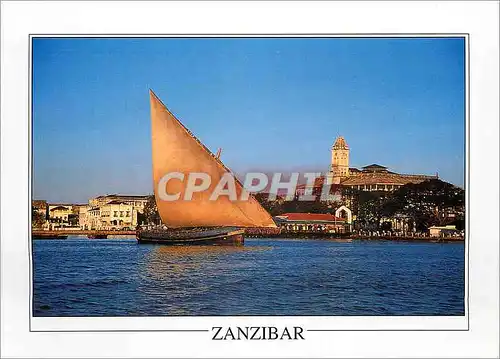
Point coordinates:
[[128, 213], [121, 213], [116, 214]]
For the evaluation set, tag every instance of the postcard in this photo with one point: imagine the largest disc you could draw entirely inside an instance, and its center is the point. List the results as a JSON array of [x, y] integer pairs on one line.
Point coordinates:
[[271, 190]]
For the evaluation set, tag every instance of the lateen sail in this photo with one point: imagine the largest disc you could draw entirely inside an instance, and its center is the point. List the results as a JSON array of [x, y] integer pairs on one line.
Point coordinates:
[[175, 149]]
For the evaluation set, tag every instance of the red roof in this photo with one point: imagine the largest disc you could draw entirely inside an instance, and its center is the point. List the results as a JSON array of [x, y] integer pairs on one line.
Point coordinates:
[[323, 217]]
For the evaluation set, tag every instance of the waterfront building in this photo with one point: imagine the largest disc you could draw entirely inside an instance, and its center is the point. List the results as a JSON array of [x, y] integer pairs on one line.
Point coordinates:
[[55, 205], [373, 177], [443, 231], [76, 208], [82, 216], [378, 178], [112, 212], [93, 218], [399, 223], [311, 222], [137, 202], [118, 215], [60, 214], [369, 178]]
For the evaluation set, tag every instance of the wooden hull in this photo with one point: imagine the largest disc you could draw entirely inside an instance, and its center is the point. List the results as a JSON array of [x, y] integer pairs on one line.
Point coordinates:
[[221, 236]]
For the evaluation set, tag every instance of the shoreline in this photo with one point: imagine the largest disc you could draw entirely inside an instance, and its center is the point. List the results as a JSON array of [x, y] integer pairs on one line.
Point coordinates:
[[356, 238], [293, 236], [335, 236]]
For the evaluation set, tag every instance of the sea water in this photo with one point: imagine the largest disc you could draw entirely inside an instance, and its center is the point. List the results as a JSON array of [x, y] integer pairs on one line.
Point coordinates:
[[118, 277]]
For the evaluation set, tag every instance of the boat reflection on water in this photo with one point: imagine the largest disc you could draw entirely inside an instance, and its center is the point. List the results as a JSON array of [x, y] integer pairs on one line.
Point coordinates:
[[175, 261], [186, 280]]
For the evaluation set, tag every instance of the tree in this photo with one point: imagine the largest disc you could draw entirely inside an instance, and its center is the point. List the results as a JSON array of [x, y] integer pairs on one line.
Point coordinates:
[[73, 219], [280, 205], [420, 202], [37, 218], [351, 198], [371, 211], [151, 215], [424, 200], [274, 207]]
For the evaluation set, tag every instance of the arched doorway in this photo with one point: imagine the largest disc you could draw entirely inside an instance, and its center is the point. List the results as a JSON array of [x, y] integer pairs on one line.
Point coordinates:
[[344, 212]]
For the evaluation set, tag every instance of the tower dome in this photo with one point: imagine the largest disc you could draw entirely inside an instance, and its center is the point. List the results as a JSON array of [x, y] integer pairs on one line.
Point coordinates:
[[340, 144]]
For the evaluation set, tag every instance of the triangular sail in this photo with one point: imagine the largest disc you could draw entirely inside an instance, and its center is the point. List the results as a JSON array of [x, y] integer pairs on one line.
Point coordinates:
[[175, 149]]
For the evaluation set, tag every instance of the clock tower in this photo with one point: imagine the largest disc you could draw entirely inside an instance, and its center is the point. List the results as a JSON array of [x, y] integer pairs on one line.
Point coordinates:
[[340, 160]]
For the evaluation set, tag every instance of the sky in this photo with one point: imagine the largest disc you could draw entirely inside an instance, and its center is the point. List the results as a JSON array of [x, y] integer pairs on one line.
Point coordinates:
[[271, 104]]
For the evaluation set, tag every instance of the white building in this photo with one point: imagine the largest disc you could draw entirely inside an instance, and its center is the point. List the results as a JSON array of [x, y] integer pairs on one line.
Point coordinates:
[[112, 212], [60, 213], [118, 215]]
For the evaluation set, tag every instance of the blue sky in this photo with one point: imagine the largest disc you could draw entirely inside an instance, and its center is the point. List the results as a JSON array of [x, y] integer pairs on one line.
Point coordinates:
[[271, 104]]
